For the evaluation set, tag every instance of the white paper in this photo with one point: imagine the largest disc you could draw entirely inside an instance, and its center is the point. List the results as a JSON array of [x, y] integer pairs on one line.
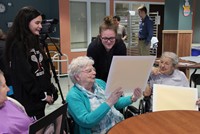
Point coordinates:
[[132, 13], [191, 58], [174, 98], [129, 72]]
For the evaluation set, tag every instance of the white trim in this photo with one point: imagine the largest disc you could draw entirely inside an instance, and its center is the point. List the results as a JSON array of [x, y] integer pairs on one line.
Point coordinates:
[[79, 50], [145, 2], [89, 30], [136, 2]]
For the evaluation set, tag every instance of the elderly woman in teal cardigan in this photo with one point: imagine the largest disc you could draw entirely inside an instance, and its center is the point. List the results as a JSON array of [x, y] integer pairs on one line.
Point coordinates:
[[88, 105]]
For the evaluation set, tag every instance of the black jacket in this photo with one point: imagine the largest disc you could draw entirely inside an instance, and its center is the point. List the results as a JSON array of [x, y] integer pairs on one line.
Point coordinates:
[[30, 78], [102, 58]]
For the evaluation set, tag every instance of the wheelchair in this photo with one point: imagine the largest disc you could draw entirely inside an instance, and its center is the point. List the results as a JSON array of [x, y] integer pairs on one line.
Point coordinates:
[[144, 107]]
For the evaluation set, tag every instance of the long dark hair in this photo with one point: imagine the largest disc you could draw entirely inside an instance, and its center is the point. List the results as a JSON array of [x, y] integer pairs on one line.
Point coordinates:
[[20, 32]]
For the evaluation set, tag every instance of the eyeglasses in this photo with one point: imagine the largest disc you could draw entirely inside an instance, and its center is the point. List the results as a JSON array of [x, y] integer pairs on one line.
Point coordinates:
[[89, 70], [108, 39]]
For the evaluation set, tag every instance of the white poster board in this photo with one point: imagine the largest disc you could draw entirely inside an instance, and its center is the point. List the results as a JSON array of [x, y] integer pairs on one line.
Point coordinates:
[[129, 72], [174, 98]]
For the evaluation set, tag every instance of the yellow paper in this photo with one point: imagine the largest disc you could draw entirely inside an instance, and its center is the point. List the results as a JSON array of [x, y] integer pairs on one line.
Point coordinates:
[[129, 72], [174, 98]]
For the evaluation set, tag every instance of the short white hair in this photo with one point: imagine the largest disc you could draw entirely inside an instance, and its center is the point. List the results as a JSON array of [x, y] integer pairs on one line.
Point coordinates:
[[77, 65], [172, 56]]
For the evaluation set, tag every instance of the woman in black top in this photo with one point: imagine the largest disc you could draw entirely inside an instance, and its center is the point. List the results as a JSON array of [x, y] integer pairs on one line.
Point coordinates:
[[27, 63], [104, 47]]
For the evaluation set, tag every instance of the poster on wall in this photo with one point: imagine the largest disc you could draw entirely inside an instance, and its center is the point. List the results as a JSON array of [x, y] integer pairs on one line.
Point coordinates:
[[186, 8]]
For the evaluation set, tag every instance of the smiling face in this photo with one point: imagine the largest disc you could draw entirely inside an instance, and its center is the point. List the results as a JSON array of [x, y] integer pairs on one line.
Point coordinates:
[[3, 90], [35, 25], [166, 66], [108, 38]]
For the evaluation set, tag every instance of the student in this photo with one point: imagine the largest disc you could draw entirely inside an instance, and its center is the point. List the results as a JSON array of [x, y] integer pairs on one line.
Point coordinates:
[[28, 64], [104, 47]]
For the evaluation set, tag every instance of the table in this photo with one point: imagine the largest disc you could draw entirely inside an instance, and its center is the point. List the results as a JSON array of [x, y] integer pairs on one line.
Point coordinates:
[[186, 65], [162, 122]]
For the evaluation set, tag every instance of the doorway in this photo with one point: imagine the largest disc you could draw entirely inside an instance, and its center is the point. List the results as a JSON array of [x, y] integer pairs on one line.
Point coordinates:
[[160, 10]]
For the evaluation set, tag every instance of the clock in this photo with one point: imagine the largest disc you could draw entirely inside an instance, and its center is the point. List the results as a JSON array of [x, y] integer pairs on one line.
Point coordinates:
[[2, 8]]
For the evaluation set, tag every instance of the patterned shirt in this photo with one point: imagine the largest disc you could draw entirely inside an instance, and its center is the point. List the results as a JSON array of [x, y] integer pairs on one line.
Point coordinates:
[[96, 99]]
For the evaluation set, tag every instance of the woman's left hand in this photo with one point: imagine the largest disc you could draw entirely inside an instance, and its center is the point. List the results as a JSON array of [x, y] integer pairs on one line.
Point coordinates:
[[137, 93]]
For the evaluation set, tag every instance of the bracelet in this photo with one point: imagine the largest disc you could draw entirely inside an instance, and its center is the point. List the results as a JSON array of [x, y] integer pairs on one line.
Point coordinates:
[[45, 93]]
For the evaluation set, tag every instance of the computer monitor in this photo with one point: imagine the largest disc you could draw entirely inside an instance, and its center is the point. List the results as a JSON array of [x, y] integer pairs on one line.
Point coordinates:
[[53, 123]]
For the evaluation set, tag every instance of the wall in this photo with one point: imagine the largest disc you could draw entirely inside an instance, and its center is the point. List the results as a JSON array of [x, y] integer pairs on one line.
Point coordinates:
[[196, 19], [47, 7], [174, 18], [171, 17], [185, 22]]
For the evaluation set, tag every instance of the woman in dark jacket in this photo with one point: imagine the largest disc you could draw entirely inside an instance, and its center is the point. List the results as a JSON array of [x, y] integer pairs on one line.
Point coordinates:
[[104, 47], [27, 63]]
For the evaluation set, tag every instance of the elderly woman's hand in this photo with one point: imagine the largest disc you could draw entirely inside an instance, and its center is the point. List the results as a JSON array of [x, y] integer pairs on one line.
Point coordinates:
[[198, 102], [155, 71], [136, 94], [113, 98]]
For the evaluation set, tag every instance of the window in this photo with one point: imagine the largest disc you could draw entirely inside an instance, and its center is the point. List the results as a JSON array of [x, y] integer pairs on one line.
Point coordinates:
[[78, 27], [85, 18]]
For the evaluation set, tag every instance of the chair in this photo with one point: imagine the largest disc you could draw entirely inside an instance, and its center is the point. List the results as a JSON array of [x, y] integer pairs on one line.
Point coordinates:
[[57, 59], [195, 78], [144, 107]]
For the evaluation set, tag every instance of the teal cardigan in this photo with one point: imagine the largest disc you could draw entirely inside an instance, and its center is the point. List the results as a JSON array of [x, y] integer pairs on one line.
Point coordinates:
[[79, 109]]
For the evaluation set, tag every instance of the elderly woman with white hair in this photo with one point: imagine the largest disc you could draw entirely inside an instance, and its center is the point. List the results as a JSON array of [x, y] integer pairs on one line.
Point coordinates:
[[14, 119], [91, 110], [166, 73]]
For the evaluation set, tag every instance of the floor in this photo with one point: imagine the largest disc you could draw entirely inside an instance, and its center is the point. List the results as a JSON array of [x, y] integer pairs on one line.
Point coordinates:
[[64, 88], [63, 81]]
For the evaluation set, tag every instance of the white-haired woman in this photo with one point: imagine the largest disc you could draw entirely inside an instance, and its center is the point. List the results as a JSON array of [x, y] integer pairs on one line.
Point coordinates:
[[87, 104], [167, 73]]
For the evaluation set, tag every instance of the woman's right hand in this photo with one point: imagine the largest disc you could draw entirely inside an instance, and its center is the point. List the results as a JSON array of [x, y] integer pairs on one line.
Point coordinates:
[[113, 98], [49, 100], [155, 71]]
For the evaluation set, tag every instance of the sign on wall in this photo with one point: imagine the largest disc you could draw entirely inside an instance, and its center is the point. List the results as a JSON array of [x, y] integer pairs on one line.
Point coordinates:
[[186, 8]]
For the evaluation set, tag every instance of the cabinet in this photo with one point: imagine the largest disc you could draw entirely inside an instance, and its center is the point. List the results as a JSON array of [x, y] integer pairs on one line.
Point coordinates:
[[177, 41]]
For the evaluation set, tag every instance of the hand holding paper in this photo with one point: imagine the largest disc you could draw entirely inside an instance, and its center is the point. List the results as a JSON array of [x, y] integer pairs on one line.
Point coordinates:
[[113, 98], [137, 93], [129, 72]]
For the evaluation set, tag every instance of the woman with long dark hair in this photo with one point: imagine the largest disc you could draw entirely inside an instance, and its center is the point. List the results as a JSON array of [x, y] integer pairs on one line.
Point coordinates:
[[28, 64]]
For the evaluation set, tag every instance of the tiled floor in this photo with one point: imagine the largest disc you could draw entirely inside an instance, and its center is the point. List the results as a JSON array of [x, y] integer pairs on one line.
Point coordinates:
[[64, 88]]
